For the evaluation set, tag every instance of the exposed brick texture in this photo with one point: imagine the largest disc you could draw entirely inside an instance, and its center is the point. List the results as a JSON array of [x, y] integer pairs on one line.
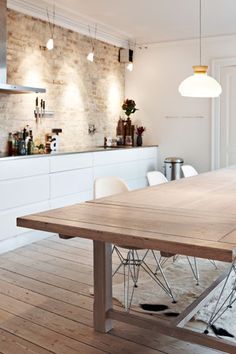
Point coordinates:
[[79, 92]]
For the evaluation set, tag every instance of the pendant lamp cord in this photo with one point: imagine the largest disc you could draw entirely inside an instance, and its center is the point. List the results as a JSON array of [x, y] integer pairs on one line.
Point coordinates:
[[51, 24], [200, 30]]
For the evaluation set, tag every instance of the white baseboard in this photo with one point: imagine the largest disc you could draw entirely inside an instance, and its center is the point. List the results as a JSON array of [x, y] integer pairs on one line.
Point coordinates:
[[12, 243]]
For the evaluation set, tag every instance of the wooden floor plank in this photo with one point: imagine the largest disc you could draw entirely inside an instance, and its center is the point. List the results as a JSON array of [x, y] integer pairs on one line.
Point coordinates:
[[69, 328], [79, 258], [47, 290], [44, 337], [88, 253], [45, 304], [10, 343], [36, 266], [65, 247], [73, 312]]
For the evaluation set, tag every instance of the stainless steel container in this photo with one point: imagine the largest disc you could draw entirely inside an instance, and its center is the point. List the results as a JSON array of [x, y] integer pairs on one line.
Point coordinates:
[[172, 167]]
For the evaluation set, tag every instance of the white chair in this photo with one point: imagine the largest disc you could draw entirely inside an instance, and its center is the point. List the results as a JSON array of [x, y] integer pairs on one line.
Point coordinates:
[[188, 171], [156, 177], [107, 186]]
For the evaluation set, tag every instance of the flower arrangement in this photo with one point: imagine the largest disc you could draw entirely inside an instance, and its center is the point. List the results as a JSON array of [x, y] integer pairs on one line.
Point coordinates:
[[129, 106], [140, 130]]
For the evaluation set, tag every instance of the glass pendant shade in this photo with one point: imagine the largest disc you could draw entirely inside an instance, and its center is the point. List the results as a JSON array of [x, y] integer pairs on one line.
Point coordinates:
[[200, 84], [90, 56], [50, 44], [130, 66]]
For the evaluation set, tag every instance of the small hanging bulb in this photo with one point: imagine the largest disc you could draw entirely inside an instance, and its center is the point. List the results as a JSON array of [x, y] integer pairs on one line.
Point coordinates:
[[50, 44], [130, 66], [90, 56]]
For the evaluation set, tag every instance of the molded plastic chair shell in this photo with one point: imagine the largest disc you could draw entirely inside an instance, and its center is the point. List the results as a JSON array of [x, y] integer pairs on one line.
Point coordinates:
[[156, 177], [189, 171], [106, 186]]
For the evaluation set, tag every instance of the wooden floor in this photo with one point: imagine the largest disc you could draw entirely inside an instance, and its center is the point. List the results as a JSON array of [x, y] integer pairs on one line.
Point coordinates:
[[46, 306]]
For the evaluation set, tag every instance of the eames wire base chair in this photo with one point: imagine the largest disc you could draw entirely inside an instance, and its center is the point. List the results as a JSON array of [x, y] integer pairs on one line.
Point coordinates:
[[129, 258]]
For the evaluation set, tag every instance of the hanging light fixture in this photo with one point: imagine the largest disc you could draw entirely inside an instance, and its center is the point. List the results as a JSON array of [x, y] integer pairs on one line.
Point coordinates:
[[50, 42], [126, 57], [200, 84], [130, 66], [90, 56]]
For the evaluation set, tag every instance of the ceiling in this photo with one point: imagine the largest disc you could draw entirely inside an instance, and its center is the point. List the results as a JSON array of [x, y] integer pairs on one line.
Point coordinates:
[[145, 21]]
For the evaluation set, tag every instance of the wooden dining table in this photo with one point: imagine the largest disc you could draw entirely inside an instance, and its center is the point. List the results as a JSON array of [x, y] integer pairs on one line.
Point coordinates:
[[194, 216]]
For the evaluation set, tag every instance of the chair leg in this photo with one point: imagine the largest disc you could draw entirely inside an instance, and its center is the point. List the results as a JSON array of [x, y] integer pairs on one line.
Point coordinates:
[[131, 270], [224, 301], [194, 268], [193, 265], [213, 263], [162, 283]]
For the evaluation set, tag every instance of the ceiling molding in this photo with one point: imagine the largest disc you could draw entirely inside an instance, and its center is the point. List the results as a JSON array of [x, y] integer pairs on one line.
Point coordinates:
[[81, 25]]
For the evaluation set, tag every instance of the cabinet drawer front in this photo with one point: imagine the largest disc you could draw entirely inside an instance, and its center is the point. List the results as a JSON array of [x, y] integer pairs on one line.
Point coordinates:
[[116, 156], [70, 182], [71, 199], [147, 153], [23, 167], [138, 183], [70, 162], [8, 219], [128, 170], [145, 166], [30, 190]]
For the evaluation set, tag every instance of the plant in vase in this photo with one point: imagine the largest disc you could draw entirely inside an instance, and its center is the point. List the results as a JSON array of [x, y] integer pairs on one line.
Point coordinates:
[[139, 132], [129, 107]]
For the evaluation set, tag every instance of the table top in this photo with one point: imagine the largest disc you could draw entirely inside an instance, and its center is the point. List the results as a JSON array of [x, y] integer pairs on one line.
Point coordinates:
[[194, 216]]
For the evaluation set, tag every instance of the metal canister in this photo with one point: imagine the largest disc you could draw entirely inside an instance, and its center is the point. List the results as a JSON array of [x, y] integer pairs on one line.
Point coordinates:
[[172, 167]]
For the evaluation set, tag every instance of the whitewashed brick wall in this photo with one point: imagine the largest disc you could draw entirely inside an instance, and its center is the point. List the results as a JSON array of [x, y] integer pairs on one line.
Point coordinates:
[[79, 92]]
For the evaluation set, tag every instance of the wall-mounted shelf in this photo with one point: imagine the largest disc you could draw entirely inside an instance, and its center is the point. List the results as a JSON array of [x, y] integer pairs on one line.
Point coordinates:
[[46, 114]]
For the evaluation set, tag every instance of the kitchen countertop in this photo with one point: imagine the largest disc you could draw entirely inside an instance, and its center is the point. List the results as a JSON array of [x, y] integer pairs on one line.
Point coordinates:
[[76, 151]]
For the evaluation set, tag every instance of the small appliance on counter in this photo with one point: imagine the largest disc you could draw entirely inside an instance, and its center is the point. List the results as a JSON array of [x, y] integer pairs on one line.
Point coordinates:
[[53, 140]]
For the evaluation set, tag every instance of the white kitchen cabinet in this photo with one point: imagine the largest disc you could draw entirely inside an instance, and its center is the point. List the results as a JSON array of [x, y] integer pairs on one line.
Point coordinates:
[[71, 199], [70, 162], [20, 167], [8, 218], [34, 183], [70, 182], [126, 171], [137, 183], [23, 191], [116, 156]]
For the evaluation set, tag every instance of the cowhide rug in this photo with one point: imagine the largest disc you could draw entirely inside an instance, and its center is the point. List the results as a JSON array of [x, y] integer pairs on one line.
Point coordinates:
[[186, 291]]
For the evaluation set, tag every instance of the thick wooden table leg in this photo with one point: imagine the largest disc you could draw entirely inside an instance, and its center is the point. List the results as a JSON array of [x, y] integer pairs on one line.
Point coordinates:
[[102, 286]]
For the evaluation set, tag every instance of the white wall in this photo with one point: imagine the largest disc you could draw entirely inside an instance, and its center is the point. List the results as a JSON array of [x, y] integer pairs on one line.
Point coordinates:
[[153, 84]]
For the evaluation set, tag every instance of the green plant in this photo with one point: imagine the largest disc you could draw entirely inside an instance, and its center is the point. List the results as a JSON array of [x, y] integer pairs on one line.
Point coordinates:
[[129, 106]]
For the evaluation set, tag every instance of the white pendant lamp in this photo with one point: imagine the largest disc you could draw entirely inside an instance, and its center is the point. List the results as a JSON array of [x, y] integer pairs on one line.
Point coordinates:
[[90, 56], [50, 42], [130, 66], [200, 84]]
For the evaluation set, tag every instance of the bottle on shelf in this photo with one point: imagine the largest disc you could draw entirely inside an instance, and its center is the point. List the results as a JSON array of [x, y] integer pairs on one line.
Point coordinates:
[[30, 144], [10, 144], [21, 144]]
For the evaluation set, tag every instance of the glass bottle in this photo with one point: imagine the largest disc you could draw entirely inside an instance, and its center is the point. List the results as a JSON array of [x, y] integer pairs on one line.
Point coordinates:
[[30, 145], [21, 145], [10, 144]]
